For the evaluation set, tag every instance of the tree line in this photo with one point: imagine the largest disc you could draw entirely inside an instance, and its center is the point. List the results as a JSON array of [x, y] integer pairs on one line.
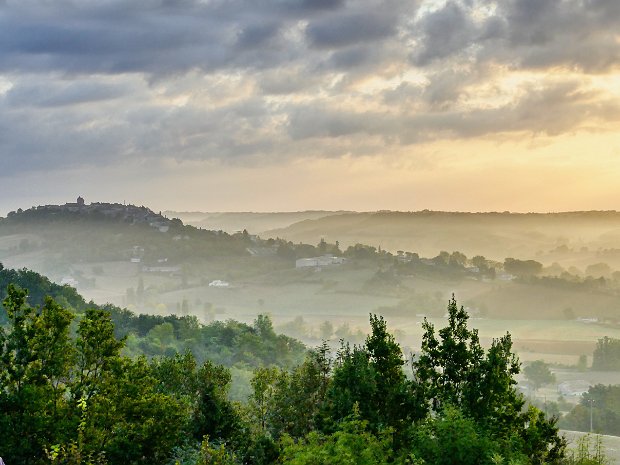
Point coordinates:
[[69, 395]]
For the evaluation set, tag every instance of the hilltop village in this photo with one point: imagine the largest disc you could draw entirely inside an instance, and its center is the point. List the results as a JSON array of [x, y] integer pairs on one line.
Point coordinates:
[[128, 213]]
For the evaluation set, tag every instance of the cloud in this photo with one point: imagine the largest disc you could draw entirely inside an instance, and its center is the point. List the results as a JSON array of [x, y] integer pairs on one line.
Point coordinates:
[[443, 33], [61, 94], [95, 83], [528, 34], [343, 30], [549, 110]]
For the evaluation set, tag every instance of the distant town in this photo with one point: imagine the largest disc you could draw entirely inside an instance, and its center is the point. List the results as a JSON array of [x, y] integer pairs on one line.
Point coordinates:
[[128, 213]]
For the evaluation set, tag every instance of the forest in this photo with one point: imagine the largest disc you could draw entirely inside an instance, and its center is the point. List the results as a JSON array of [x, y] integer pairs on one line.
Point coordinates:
[[70, 395]]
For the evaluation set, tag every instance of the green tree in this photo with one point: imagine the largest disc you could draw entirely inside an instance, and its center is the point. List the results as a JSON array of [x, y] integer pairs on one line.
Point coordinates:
[[351, 444], [35, 361], [606, 356], [451, 438], [454, 371], [299, 398], [371, 379], [98, 352], [326, 330], [538, 374], [262, 398]]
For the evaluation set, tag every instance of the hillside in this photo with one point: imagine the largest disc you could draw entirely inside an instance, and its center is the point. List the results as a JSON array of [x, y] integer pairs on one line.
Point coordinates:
[[159, 266], [572, 239], [254, 222]]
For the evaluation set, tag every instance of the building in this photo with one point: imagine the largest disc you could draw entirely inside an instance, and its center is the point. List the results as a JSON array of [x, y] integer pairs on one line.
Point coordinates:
[[319, 262]]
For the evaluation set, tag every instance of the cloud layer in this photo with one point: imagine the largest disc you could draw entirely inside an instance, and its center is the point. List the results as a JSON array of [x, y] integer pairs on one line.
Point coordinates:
[[87, 83]]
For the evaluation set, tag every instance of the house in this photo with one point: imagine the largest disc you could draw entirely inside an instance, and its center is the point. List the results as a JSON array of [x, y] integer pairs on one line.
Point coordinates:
[[319, 262], [69, 281]]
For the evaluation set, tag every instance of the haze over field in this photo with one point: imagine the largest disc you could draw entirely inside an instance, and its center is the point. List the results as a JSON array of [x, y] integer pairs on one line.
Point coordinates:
[[571, 239]]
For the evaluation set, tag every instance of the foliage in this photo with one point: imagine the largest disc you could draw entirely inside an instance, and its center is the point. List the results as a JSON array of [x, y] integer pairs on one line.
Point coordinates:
[[454, 371], [538, 374], [371, 379], [73, 397], [602, 404], [451, 438], [352, 443], [80, 400], [606, 356], [522, 267]]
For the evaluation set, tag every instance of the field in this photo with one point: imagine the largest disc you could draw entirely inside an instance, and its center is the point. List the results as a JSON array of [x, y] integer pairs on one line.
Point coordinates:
[[610, 444]]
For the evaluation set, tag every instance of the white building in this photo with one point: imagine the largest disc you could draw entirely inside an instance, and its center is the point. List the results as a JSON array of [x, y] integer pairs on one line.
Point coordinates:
[[319, 262]]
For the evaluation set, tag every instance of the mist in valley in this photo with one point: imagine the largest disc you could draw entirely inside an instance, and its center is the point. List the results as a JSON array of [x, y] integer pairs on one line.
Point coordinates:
[[558, 300]]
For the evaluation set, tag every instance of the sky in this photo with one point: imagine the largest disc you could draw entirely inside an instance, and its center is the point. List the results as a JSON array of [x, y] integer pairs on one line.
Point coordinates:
[[287, 105]]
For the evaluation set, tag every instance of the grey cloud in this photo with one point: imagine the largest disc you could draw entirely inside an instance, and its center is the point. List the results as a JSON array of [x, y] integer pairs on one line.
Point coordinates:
[[294, 62], [522, 33], [550, 110], [64, 94], [444, 32], [349, 29], [160, 37], [257, 35], [286, 81], [352, 58], [308, 122], [166, 37], [314, 5]]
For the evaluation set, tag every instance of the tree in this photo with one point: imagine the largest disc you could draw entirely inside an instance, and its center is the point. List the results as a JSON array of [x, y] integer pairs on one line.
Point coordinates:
[[98, 352], [451, 438], [538, 374], [453, 371], [352, 443], [522, 267], [606, 356], [326, 330], [35, 361], [370, 378], [598, 270]]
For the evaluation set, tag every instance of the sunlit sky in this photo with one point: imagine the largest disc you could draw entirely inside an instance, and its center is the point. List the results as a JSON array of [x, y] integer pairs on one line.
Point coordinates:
[[281, 105]]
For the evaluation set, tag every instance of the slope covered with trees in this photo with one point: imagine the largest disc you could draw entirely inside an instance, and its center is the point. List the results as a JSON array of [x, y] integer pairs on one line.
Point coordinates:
[[69, 395]]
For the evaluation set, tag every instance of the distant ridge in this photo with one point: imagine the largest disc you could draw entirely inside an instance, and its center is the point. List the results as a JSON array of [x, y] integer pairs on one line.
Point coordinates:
[[492, 234], [254, 222]]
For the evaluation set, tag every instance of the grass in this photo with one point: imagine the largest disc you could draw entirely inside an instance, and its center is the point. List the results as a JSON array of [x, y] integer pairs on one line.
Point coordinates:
[[610, 444]]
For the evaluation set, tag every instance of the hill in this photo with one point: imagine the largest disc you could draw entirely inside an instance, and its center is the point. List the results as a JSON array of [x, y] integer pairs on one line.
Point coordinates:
[[154, 265], [573, 238], [254, 222]]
